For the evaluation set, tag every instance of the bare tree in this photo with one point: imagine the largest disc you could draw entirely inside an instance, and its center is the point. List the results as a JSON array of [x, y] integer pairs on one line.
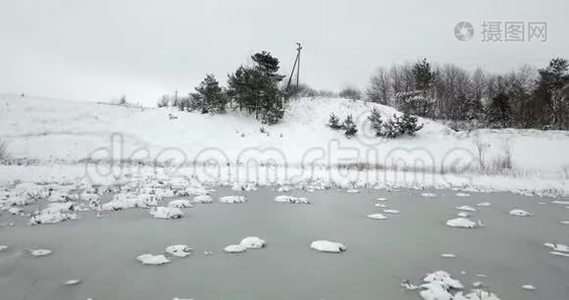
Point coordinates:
[[379, 90]]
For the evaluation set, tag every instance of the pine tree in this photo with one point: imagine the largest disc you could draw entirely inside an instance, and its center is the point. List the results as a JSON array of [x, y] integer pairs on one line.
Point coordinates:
[[256, 88], [408, 124], [392, 128], [349, 126], [334, 122], [212, 98], [424, 78], [376, 122]]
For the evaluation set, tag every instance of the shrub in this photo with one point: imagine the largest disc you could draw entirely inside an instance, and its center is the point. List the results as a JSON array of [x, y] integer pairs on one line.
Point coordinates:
[[164, 101], [349, 126], [350, 93], [334, 122]]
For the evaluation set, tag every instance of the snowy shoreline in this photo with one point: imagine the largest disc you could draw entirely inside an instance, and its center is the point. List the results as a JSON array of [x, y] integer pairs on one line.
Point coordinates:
[[297, 178]]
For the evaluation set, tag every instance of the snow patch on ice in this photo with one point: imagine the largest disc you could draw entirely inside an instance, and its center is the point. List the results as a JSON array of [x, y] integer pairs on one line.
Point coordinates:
[[180, 203], [202, 199], [150, 259], [377, 216], [40, 252], [179, 250], [162, 212], [466, 208], [327, 246], [252, 242], [461, 223], [519, 213], [291, 199], [232, 199], [234, 249]]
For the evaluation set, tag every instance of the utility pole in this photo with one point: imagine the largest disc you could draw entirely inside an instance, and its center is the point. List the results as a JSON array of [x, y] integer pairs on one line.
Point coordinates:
[[296, 67]]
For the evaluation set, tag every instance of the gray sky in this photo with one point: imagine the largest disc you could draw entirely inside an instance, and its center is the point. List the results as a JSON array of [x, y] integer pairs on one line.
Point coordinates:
[[97, 50]]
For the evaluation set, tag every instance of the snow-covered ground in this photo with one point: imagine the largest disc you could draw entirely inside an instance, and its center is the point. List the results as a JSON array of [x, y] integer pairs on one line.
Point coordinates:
[[65, 140]]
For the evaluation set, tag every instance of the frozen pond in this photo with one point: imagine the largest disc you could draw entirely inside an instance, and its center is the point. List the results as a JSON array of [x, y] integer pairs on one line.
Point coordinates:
[[102, 252]]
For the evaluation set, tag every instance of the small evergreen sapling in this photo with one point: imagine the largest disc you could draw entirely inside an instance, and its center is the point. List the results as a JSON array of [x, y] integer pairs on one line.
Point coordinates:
[[334, 122], [376, 122], [409, 124], [349, 126]]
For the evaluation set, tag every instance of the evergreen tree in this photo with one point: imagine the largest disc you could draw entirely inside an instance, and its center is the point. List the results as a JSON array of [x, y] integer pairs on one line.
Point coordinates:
[[334, 122], [499, 111], [211, 95], [392, 128], [349, 126], [376, 122], [408, 124], [424, 78], [256, 88]]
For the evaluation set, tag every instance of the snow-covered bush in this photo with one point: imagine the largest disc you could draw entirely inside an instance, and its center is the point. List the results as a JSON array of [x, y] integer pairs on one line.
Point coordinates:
[[349, 126], [334, 122], [352, 93], [396, 126]]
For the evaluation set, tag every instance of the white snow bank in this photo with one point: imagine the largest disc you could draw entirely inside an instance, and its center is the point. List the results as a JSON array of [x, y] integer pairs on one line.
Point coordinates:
[[3, 248], [130, 200], [252, 242], [484, 204], [461, 223], [232, 199], [166, 212], [54, 213], [377, 216], [327, 246], [391, 211], [462, 195], [291, 199], [234, 249], [150, 259], [179, 250], [381, 199], [519, 213]]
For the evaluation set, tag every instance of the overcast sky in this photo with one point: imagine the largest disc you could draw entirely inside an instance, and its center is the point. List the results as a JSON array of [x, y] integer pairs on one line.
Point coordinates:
[[97, 50]]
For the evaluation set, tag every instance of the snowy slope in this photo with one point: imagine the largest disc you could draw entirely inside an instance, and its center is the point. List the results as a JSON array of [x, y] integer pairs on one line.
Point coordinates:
[[66, 131]]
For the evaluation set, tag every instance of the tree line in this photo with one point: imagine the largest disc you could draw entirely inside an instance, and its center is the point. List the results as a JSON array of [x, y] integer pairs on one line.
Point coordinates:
[[524, 98], [255, 89]]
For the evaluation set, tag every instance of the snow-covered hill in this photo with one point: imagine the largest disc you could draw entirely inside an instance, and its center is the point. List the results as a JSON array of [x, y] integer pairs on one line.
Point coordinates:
[[67, 132]]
